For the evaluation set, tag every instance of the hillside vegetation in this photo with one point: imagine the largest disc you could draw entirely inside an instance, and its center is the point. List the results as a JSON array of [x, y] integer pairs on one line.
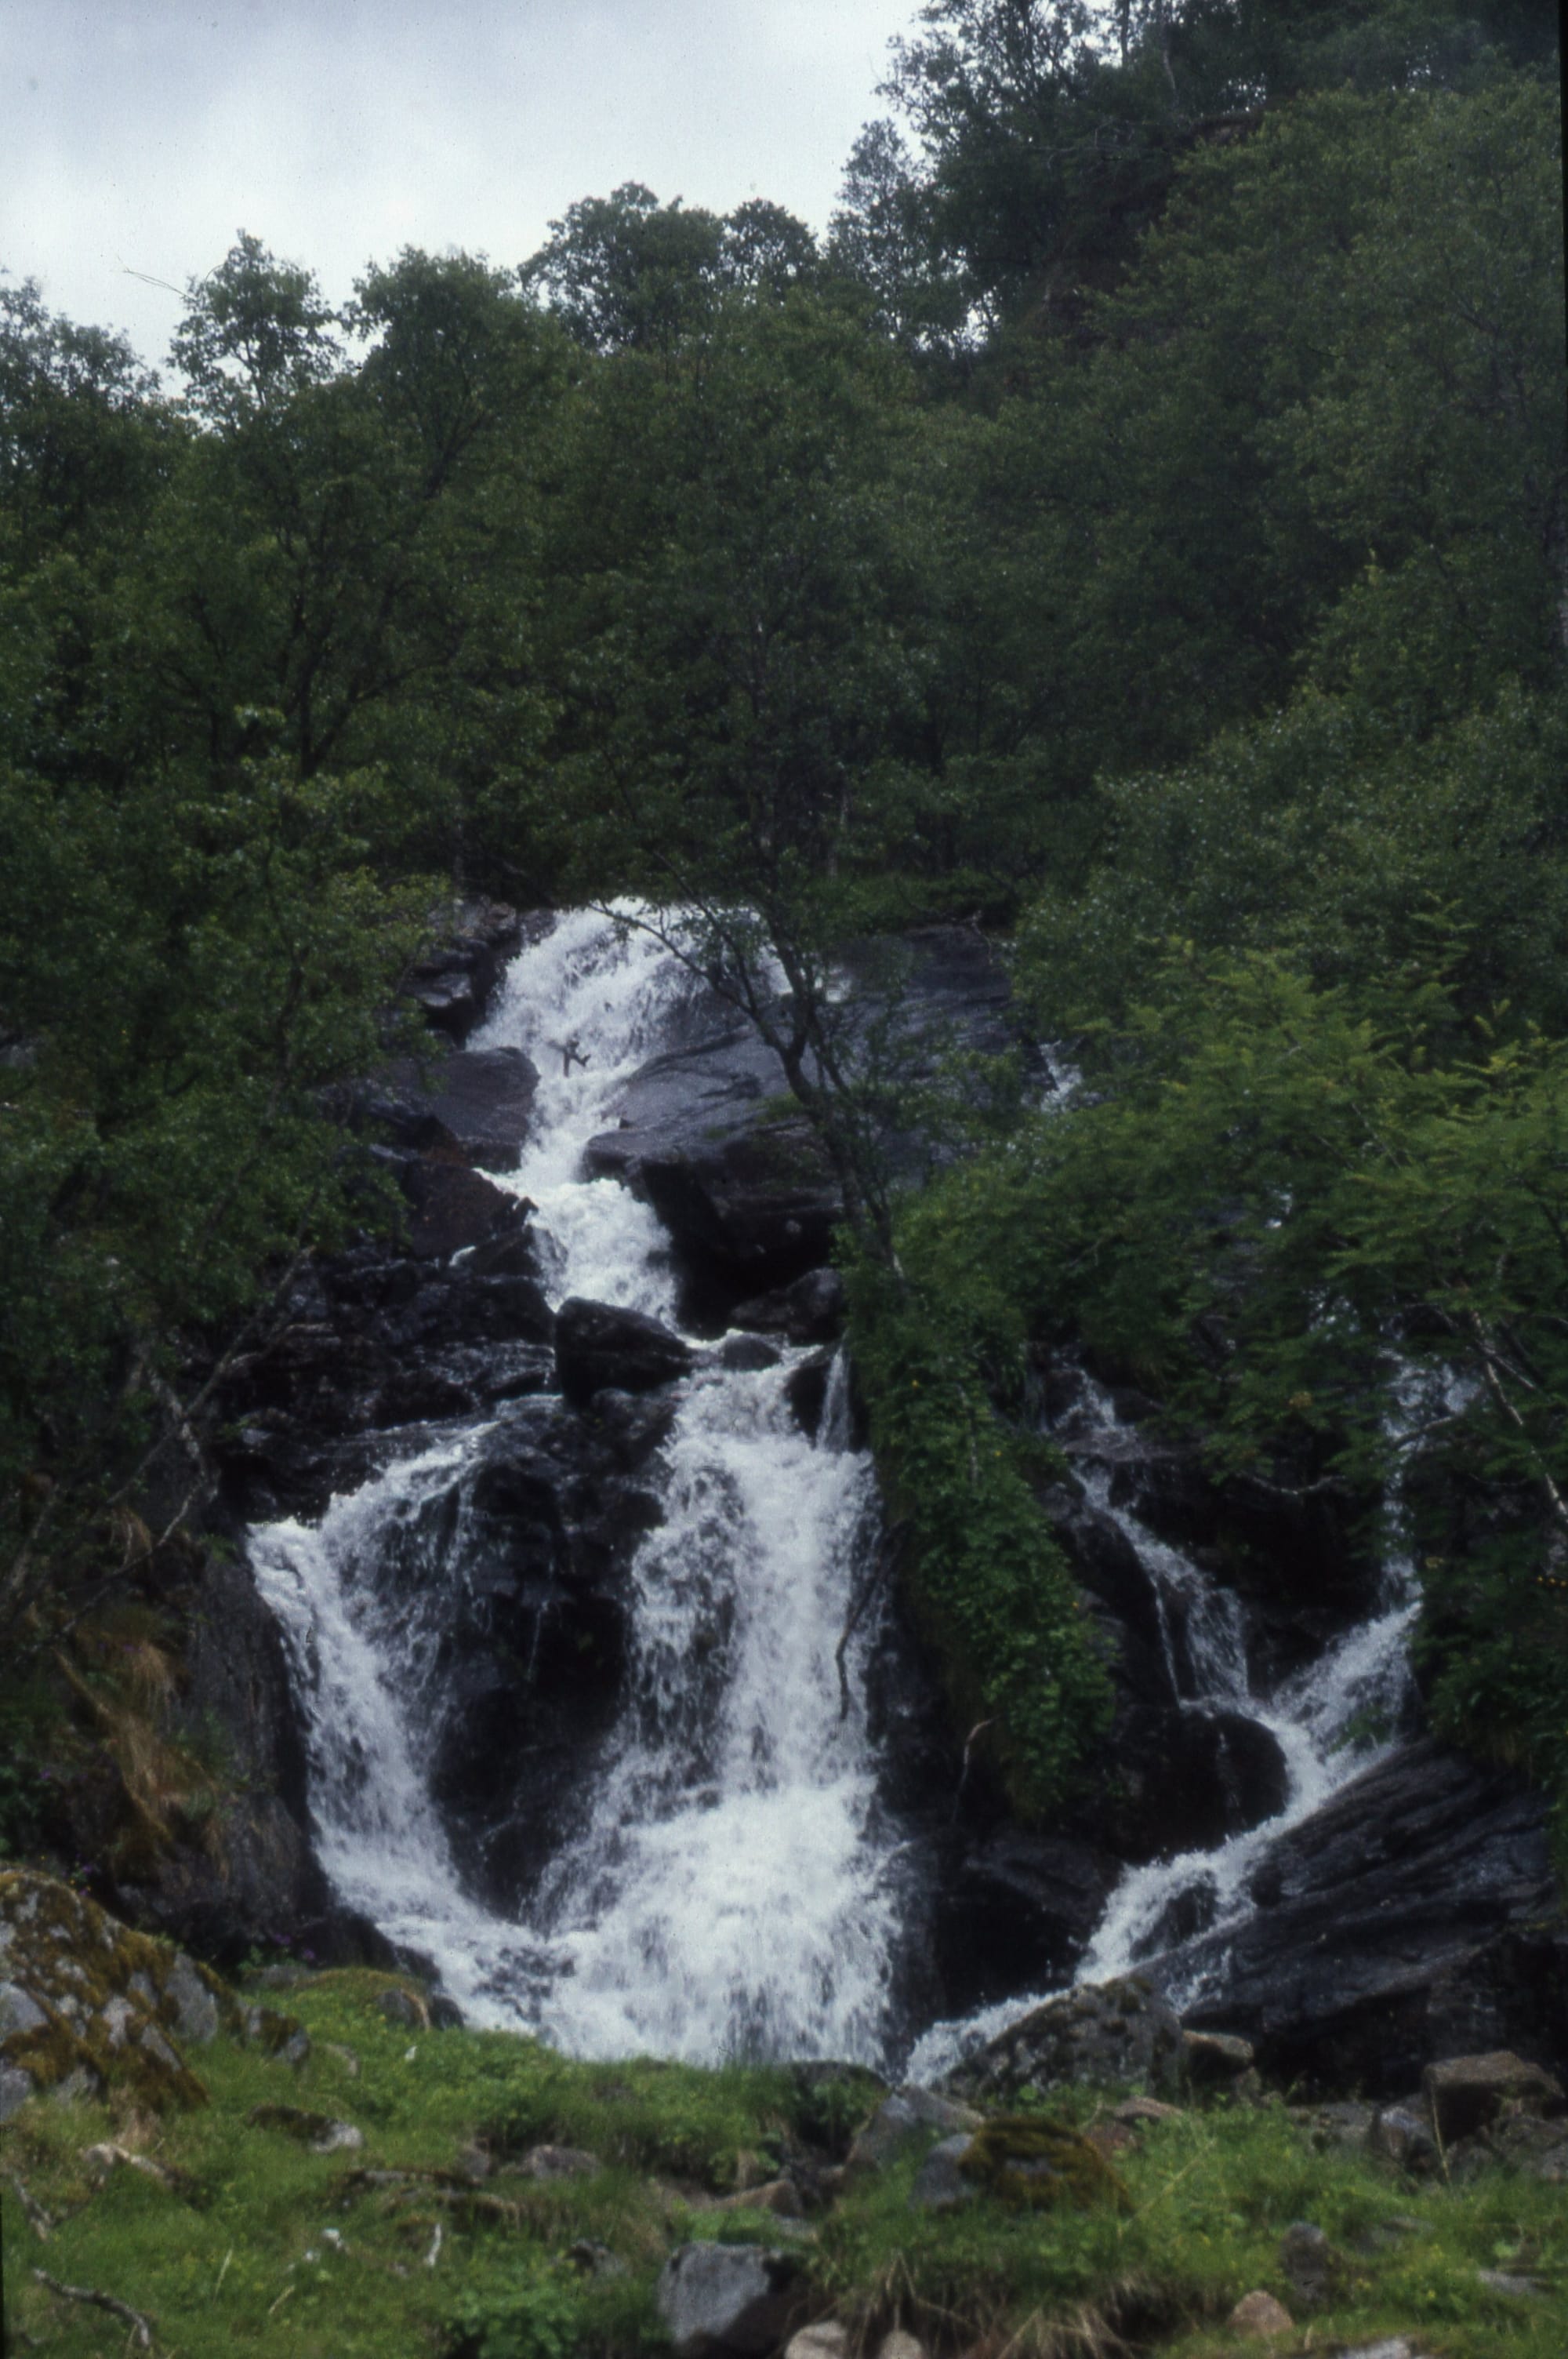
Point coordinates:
[[1136, 526]]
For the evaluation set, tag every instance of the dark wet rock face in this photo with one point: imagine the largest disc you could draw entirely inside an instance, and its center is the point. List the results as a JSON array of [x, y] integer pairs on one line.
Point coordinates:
[[811, 1310], [453, 984], [474, 1105], [710, 1135], [1411, 1918], [522, 1570], [709, 1139], [453, 1209], [1295, 1556], [1016, 1912], [601, 1348], [377, 1342]]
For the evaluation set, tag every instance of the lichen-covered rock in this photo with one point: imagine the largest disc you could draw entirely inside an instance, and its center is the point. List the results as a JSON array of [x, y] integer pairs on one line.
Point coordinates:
[[902, 2117], [1261, 2316], [86, 2004], [720, 2299], [86, 2001], [1102, 2035]]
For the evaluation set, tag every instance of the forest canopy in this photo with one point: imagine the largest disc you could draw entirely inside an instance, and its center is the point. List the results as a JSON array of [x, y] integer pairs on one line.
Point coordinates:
[[1135, 525]]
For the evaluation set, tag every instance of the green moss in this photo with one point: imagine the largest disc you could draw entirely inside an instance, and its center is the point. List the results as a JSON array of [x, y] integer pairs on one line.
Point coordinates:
[[235, 2257], [1029, 2161]]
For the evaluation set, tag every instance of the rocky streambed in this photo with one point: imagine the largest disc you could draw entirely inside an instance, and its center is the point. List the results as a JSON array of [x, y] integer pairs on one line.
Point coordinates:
[[557, 1521]]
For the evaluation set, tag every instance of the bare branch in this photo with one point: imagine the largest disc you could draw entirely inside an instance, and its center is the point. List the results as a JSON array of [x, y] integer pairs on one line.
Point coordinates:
[[140, 2328]]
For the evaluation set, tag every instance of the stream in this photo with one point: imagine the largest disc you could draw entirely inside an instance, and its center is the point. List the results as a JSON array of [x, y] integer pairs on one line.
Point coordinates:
[[736, 1885]]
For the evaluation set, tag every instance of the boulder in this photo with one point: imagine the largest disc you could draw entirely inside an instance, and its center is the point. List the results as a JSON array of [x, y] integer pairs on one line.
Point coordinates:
[[722, 2298], [748, 1355], [474, 1105], [1215, 2060], [805, 1389], [940, 2184], [1466, 2094], [911, 2112], [1259, 2317], [1402, 2134], [526, 1557], [1100, 2035], [599, 1348], [809, 1311], [1417, 1905], [1181, 1778], [708, 1137], [87, 2004], [1316, 2270], [453, 1207], [826, 2340], [454, 980], [900, 2344]]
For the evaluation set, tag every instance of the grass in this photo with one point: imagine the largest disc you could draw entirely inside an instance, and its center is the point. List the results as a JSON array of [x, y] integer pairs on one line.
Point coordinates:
[[257, 2245]]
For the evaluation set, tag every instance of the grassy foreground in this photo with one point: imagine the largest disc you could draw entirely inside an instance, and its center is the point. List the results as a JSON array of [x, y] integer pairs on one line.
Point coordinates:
[[423, 2240]]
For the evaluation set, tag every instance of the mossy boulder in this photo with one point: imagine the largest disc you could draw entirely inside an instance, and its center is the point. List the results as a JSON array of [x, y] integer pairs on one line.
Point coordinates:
[[87, 2004], [1032, 2163], [1118, 2034]]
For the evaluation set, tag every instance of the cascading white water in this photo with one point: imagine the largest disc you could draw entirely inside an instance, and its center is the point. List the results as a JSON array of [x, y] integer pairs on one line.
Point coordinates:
[[1327, 1722], [734, 1890]]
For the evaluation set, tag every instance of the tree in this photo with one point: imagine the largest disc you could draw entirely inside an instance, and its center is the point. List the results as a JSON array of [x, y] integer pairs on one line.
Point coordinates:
[[624, 273], [256, 333]]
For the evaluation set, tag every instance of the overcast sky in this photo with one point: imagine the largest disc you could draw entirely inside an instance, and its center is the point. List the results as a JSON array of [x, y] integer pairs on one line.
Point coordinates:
[[138, 136]]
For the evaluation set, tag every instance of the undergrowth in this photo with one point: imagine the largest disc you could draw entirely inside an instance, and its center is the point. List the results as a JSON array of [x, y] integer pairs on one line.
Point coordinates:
[[251, 2243], [981, 1573]]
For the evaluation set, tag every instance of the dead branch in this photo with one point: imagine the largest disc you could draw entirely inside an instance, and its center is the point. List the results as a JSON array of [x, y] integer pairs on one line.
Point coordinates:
[[33, 2212], [140, 2328]]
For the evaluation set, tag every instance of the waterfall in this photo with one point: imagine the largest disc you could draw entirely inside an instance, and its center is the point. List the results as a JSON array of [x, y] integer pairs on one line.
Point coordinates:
[[733, 1885], [1327, 1720], [735, 1888]]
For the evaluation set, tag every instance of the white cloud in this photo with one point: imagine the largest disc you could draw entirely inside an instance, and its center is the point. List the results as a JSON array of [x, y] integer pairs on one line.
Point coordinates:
[[140, 138]]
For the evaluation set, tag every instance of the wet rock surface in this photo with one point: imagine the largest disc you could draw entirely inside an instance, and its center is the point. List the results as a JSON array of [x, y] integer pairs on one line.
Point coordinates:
[[474, 1105], [453, 982], [522, 1565], [710, 1137], [374, 1342], [1016, 1912], [601, 1348], [1413, 1917]]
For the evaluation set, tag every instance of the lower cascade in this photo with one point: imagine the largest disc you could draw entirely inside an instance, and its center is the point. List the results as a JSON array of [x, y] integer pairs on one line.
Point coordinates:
[[733, 1888], [729, 1879]]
